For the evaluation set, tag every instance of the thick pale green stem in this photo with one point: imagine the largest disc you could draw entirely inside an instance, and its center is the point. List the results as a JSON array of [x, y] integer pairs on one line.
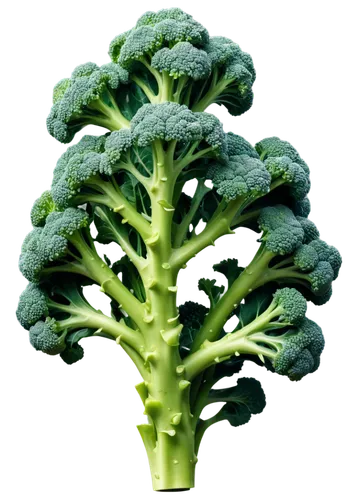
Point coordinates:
[[109, 282], [170, 440]]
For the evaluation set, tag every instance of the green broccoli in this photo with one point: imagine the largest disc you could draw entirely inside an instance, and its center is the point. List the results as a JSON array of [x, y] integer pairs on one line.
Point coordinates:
[[171, 57], [127, 188], [280, 335], [57, 316], [87, 98]]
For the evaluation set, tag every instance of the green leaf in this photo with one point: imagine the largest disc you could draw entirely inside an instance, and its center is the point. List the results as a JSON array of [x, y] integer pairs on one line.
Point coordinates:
[[191, 316], [229, 367], [212, 291], [128, 188], [108, 225], [72, 354], [208, 206], [230, 269], [130, 277], [245, 399], [131, 98], [255, 304]]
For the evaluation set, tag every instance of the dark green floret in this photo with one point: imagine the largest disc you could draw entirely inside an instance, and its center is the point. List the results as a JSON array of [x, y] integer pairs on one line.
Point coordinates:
[[292, 303], [273, 147], [282, 232], [237, 146], [183, 60], [87, 98], [44, 337], [240, 176], [42, 207], [32, 306]]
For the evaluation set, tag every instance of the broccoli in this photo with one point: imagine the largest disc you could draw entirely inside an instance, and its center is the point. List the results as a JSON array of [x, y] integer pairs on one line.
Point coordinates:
[[171, 57], [127, 188], [280, 336]]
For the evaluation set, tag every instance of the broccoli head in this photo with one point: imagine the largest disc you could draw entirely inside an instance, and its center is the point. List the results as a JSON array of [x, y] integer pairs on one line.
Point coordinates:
[[87, 98]]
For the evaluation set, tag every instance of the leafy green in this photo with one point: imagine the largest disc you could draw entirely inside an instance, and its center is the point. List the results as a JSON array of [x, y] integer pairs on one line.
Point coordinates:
[[245, 399]]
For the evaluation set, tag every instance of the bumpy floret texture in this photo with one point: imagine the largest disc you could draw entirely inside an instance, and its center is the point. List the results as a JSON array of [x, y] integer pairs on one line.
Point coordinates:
[[306, 258], [292, 173], [32, 306], [282, 232], [328, 254], [75, 98], [322, 260], [45, 245], [139, 42], [153, 31], [116, 144], [170, 121], [292, 303], [300, 351], [321, 277], [213, 131], [80, 164], [225, 53], [301, 208], [241, 175], [309, 228], [273, 147], [237, 146], [183, 60], [44, 337], [184, 27], [42, 207]]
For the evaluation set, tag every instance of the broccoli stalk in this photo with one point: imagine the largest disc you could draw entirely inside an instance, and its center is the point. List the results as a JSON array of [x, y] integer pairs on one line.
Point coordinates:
[[129, 185]]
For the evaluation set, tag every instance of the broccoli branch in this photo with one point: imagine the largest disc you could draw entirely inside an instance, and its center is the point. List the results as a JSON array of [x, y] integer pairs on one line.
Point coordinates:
[[218, 225], [252, 277], [183, 227]]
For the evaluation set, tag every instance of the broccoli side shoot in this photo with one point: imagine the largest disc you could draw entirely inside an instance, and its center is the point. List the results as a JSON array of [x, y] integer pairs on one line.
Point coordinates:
[[87, 98]]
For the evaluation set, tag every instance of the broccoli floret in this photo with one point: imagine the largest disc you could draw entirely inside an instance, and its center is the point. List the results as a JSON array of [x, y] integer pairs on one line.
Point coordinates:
[[301, 208], [89, 165], [283, 335], [232, 77], [282, 233], [237, 146], [289, 173], [58, 316], [44, 246], [306, 258], [32, 306], [139, 43], [183, 60], [166, 121], [170, 121], [44, 337], [291, 303], [309, 228], [240, 176], [116, 144], [299, 350], [309, 266], [42, 207], [174, 25], [273, 147], [86, 98]]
